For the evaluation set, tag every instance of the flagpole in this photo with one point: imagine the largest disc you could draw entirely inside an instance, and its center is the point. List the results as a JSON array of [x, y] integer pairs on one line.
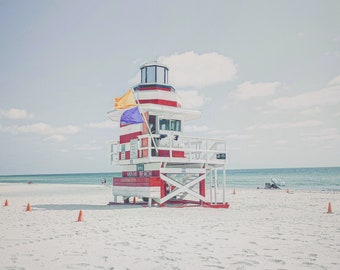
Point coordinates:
[[146, 122]]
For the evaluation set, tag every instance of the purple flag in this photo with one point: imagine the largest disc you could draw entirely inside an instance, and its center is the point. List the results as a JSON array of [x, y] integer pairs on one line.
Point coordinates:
[[131, 116]]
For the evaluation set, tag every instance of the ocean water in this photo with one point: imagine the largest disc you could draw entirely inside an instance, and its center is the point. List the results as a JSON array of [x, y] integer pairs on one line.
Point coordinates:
[[327, 178]]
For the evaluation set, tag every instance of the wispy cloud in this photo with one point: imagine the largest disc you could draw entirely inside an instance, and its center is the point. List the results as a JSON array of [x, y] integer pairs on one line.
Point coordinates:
[[192, 99], [230, 134], [56, 138], [323, 97], [335, 81], [329, 95], [250, 89], [192, 70], [322, 135], [56, 134], [87, 147], [103, 124], [314, 110], [91, 145], [194, 128], [237, 136], [15, 114], [298, 124]]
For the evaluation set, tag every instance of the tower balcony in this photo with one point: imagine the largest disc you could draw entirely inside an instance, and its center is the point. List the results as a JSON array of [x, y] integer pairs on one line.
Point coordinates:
[[182, 151]]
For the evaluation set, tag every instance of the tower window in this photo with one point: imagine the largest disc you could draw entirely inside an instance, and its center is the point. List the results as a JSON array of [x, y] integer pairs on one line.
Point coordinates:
[[154, 74], [151, 74], [175, 125], [143, 75], [166, 124]]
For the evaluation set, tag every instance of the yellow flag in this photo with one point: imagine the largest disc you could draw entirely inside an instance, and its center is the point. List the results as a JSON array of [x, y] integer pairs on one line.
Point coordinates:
[[126, 101]]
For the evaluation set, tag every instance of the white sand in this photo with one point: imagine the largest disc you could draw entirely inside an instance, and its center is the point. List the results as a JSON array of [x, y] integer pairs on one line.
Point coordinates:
[[263, 229]]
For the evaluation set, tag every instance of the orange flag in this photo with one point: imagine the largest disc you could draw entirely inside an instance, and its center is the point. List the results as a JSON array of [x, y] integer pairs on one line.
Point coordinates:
[[126, 101]]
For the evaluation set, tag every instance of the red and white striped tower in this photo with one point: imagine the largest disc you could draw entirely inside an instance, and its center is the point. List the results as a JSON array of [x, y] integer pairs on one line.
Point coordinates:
[[158, 162]]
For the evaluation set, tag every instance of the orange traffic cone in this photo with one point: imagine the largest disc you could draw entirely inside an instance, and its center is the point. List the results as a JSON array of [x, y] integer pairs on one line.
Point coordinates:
[[80, 217], [134, 200], [28, 208], [234, 192], [6, 203], [329, 211]]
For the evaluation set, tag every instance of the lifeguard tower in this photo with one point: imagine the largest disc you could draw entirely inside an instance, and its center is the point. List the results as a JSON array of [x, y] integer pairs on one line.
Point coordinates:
[[159, 163]]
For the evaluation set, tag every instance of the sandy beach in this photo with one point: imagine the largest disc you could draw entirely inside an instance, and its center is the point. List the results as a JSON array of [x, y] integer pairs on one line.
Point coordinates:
[[262, 229]]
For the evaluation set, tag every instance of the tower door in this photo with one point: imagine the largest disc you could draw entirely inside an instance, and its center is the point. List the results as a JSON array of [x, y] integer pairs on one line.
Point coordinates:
[[152, 123]]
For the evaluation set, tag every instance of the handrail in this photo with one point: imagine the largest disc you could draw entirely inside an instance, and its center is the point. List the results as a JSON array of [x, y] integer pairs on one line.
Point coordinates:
[[194, 148]]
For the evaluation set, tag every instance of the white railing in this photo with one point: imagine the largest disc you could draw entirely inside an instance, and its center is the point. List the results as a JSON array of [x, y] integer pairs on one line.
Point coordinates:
[[114, 151], [209, 151]]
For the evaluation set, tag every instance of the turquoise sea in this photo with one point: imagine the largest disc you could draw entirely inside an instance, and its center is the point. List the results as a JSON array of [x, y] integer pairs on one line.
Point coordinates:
[[327, 178]]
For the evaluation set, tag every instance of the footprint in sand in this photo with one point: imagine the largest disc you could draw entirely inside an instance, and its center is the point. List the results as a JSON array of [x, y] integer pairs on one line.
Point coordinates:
[[246, 263], [281, 262], [249, 253], [212, 266], [313, 265], [313, 256], [125, 244]]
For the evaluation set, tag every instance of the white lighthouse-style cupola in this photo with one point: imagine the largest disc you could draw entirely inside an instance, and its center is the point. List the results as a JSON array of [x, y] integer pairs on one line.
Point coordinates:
[[154, 87], [160, 164], [154, 73]]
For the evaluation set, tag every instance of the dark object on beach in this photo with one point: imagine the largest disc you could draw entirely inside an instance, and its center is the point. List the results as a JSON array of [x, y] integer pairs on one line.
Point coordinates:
[[276, 183], [271, 186], [30, 182]]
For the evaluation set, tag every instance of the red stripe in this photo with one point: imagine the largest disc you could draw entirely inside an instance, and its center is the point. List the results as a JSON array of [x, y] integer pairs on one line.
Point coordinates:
[[136, 181], [178, 154], [127, 155], [146, 88], [140, 173], [202, 187], [128, 137], [166, 153], [160, 102]]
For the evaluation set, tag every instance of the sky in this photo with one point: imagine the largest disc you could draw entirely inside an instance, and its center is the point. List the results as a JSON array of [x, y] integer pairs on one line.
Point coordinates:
[[264, 74]]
